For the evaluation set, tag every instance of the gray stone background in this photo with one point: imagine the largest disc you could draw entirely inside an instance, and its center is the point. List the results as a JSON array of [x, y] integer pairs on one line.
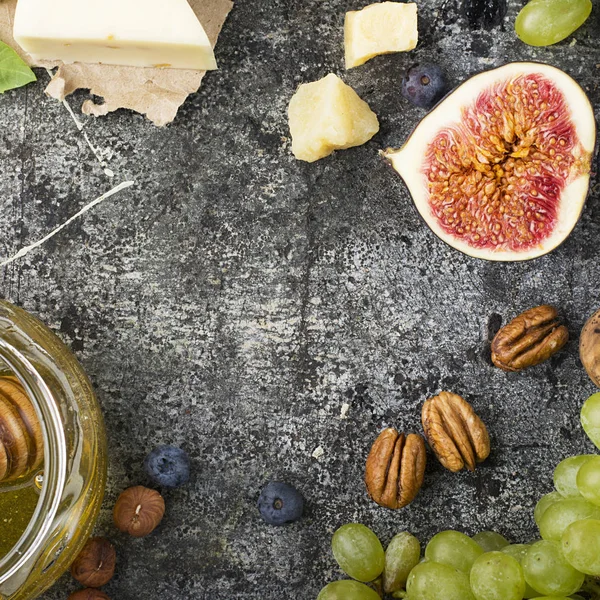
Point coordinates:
[[234, 299]]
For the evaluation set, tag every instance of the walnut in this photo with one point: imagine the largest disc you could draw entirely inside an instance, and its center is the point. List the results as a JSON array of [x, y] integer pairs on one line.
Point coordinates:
[[455, 433], [138, 511], [529, 339], [395, 468], [95, 564]]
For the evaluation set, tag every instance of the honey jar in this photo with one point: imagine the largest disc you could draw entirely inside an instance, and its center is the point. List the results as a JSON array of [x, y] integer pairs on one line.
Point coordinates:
[[52, 456]]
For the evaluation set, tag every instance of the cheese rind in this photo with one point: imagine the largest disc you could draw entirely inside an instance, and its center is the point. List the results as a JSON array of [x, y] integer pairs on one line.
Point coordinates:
[[139, 33], [377, 29], [328, 115]]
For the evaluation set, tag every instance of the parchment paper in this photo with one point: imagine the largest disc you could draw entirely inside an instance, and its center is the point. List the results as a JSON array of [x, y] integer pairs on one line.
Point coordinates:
[[156, 93]]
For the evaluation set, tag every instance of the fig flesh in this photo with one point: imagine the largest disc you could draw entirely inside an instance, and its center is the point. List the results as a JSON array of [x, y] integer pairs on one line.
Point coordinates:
[[500, 168]]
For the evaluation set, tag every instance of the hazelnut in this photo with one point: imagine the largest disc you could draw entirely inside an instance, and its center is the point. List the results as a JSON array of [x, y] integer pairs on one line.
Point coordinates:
[[589, 347], [88, 594], [138, 511], [95, 565]]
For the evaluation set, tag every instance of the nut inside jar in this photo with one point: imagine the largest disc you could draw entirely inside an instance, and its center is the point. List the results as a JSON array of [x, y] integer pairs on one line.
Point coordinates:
[[21, 461]]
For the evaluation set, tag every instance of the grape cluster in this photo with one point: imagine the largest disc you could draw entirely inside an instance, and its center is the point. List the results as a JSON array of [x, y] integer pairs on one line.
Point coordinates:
[[487, 567]]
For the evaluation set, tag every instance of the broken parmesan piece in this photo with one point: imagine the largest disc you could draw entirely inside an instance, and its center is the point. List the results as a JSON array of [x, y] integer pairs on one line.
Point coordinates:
[[327, 115], [379, 29]]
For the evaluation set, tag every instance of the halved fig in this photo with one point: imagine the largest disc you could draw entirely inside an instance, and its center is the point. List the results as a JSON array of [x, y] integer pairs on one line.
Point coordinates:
[[500, 168]]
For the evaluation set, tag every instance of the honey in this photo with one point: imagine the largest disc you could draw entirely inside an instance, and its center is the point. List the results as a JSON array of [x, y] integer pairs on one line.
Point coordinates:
[[16, 510], [21, 447]]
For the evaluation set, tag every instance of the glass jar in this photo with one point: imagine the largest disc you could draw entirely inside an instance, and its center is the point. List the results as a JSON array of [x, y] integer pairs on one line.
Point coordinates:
[[72, 478]]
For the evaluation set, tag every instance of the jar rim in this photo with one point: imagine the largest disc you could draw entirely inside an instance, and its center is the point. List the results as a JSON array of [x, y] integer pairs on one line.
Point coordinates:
[[55, 460]]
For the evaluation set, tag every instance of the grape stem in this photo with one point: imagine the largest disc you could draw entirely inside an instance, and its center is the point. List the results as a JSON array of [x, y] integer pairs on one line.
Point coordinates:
[[591, 586], [377, 585], [400, 594]]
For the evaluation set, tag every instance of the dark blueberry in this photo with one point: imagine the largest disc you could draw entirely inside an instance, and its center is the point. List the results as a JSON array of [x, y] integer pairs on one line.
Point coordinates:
[[168, 466], [424, 85], [280, 503], [485, 14]]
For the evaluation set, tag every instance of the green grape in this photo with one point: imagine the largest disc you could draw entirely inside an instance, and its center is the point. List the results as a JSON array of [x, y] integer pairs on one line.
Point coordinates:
[[433, 581], [347, 590], [543, 503], [402, 555], [581, 546], [490, 540], [455, 549], [547, 571], [358, 552], [497, 576], [518, 552], [588, 480], [553, 598], [590, 418], [561, 514], [565, 475], [546, 22]]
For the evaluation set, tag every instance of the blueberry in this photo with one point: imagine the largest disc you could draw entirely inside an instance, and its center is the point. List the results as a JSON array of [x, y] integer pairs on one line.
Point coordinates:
[[485, 14], [168, 466], [280, 503], [424, 85]]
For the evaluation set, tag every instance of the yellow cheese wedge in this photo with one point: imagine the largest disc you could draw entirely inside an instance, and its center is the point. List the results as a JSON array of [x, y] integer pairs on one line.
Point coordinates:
[[379, 29], [328, 115], [140, 33]]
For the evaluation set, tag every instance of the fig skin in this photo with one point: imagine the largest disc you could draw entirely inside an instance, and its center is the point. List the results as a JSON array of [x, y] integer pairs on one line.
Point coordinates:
[[589, 347], [409, 160]]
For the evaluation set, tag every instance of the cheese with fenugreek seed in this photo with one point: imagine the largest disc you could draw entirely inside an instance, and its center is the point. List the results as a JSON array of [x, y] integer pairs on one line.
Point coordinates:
[[139, 33]]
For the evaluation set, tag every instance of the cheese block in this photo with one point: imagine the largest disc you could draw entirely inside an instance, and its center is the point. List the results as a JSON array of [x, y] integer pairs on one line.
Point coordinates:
[[328, 115], [139, 33], [379, 29]]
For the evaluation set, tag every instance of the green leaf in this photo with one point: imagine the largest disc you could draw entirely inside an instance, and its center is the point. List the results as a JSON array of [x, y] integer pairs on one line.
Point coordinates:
[[14, 72]]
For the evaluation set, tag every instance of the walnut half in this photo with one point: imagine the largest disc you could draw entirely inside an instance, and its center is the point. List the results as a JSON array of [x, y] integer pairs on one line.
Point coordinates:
[[395, 468], [455, 433], [529, 339]]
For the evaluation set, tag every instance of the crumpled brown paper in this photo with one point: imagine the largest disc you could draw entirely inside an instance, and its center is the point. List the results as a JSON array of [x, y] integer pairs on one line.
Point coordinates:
[[156, 93]]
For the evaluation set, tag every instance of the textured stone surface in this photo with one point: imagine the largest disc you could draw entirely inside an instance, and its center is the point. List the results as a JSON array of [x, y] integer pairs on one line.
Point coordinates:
[[234, 299]]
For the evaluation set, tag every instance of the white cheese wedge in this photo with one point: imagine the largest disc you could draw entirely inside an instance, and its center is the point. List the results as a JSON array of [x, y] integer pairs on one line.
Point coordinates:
[[379, 29], [139, 33]]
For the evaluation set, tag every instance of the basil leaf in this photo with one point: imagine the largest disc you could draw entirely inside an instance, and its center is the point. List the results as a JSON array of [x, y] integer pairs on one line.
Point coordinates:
[[14, 72]]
